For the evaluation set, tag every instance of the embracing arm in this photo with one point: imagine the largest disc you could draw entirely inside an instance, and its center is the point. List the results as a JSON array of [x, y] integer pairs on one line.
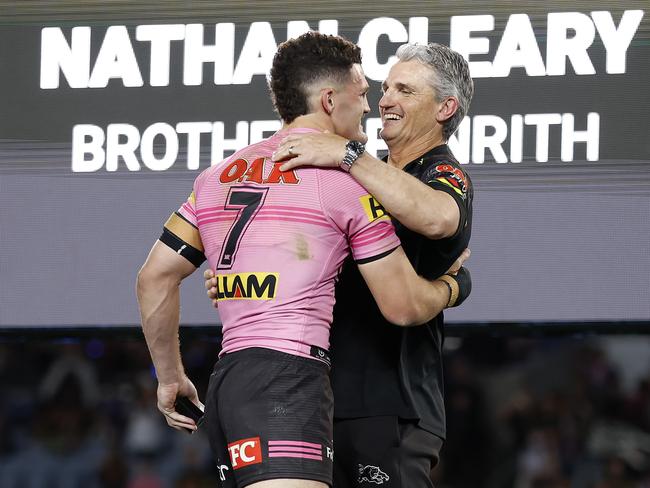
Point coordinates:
[[417, 206], [405, 298]]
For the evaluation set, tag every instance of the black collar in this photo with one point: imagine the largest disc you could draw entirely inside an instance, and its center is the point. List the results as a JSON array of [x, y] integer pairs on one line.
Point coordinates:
[[441, 151], [438, 152]]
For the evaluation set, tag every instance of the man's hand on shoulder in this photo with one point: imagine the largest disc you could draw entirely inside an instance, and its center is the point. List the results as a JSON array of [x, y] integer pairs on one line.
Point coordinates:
[[324, 150]]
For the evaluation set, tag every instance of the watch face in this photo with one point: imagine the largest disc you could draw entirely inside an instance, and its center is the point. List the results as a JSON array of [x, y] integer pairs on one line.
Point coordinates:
[[357, 147]]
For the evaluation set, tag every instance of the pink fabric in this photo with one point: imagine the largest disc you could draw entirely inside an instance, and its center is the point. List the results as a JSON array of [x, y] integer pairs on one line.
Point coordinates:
[[295, 455], [311, 445], [300, 229]]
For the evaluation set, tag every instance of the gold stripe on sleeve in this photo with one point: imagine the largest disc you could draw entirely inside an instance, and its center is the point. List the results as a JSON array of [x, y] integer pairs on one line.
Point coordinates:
[[453, 288], [184, 231]]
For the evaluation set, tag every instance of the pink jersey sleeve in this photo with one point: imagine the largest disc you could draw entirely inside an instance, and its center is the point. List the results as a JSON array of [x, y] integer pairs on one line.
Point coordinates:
[[357, 214], [188, 210], [181, 231]]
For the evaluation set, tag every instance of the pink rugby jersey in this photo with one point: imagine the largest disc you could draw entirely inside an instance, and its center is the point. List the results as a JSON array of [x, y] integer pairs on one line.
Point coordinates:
[[277, 240]]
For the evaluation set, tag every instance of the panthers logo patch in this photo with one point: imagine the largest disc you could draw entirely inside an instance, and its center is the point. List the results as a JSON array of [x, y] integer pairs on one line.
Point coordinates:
[[372, 474], [450, 176]]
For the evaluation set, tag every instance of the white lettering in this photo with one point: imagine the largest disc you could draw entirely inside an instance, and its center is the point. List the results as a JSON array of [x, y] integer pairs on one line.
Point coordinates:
[[329, 452], [482, 141], [419, 30], [560, 46], [221, 54], [87, 139], [170, 151], [260, 129], [234, 454], [257, 54], [245, 457], [116, 59], [126, 150], [460, 41], [542, 123], [220, 144], [160, 37], [569, 36], [518, 47], [617, 41], [368, 39], [193, 131], [238, 451], [570, 136], [92, 147], [222, 468], [73, 59], [516, 138]]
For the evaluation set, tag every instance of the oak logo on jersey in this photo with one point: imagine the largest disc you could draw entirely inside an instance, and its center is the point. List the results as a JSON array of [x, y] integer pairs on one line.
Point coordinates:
[[373, 208], [451, 177], [247, 286], [240, 170]]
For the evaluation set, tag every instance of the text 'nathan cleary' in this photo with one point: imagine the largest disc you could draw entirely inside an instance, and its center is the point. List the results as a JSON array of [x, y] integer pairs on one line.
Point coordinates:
[[144, 57]]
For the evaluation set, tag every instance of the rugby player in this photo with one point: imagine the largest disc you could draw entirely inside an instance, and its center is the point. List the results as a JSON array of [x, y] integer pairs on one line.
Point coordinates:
[[277, 241], [387, 381]]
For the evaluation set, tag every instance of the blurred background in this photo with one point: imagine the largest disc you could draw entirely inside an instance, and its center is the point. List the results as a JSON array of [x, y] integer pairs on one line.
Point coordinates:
[[109, 110], [523, 412]]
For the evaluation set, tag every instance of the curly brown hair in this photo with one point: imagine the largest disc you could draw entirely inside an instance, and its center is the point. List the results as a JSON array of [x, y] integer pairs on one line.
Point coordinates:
[[301, 61]]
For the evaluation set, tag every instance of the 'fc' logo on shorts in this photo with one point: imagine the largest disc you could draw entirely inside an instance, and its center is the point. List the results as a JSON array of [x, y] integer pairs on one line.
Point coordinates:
[[245, 452]]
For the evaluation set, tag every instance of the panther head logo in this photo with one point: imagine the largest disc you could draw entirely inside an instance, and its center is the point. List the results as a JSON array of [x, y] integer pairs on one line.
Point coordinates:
[[372, 474]]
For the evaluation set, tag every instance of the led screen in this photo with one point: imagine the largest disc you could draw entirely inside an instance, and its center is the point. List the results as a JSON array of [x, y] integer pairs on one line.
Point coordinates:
[[106, 118]]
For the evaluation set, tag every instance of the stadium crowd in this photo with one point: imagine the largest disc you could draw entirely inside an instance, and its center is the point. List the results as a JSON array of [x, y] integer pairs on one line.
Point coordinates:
[[522, 413]]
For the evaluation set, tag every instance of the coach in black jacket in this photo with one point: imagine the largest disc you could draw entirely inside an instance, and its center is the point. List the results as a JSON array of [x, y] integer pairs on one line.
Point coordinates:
[[389, 410]]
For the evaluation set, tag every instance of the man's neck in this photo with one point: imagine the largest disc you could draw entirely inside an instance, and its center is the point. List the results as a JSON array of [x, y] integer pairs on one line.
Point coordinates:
[[309, 121], [399, 155]]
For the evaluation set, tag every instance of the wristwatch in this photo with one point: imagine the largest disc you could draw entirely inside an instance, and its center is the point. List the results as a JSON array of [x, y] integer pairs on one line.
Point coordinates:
[[353, 149]]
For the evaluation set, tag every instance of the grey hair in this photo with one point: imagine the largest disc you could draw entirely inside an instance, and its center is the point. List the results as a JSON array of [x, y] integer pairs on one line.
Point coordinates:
[[450, 77]]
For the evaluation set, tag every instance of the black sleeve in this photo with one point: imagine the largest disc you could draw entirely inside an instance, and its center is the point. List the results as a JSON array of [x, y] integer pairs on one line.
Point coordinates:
[[449, 177], [182, 248]]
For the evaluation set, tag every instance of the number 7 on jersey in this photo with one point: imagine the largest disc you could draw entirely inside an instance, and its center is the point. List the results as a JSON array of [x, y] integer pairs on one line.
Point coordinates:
[[248, 201]]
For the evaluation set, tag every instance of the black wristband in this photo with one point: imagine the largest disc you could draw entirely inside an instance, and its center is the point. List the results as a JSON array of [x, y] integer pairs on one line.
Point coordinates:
[[464, 280], [460, 286]]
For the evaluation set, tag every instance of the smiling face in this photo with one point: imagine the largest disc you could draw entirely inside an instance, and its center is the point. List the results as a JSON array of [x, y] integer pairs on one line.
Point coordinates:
[[350, 105], [408, 106]]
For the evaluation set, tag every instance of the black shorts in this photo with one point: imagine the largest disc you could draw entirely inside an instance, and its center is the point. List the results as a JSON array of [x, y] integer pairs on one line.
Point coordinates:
[[384, 452], [268, 416]]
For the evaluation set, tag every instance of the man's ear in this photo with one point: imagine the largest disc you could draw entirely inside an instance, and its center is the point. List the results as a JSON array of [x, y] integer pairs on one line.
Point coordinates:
[[327, 100], [446, 109]]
